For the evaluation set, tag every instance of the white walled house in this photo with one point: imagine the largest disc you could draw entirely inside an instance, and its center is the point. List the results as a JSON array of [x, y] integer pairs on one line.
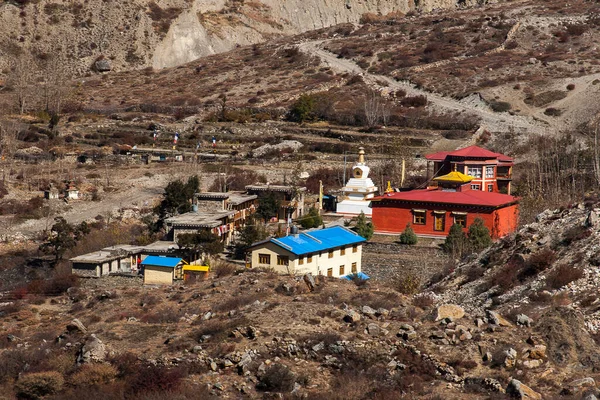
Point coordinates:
[[334, 252]]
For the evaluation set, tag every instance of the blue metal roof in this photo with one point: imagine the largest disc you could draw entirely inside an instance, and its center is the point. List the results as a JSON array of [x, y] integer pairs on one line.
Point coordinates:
[[161, 261], [318, 240], [360, 275]]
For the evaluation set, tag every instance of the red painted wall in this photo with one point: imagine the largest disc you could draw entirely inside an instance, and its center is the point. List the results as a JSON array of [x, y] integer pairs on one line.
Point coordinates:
[[392, 218]]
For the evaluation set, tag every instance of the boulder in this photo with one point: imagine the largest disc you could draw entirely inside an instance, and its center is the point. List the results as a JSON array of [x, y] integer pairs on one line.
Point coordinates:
[[524, 320], [532, 363], [310, 281], [497, 319], [351, 316], [521, 391], [373, 330], [93, 350], [538, 352], [102, 65], [368, 311], [451, 311], [578, 386], [76, 325]]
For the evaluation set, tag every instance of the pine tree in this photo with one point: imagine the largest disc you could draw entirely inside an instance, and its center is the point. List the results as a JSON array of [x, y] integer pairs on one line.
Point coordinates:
[[479, 235], [408, 236], [364, 228], [456, 242], [312, 219], [254, 231]]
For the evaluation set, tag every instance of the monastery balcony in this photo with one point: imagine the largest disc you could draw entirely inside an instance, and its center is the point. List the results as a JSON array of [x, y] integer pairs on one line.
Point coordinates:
[[505, 177]]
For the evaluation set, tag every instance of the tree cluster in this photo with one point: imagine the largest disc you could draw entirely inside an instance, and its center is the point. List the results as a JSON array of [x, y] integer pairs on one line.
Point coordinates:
[[458, 243], [177, 199], [254, 231], [311, 220], [63, 236], [408, 236]]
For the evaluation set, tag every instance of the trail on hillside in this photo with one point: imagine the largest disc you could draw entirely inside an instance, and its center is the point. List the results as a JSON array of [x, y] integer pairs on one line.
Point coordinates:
[[492, 121]]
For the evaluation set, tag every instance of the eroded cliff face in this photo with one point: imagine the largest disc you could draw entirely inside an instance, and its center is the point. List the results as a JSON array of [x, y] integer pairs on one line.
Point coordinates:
[[164, 33], [198, 33]]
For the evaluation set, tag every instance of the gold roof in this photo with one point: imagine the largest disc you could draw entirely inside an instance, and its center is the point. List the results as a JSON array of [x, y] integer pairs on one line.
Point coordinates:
[[455, 176]]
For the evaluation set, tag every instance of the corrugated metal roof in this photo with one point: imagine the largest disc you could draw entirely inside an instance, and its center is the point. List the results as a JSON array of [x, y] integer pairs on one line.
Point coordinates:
[[467, 197], [318, 240], [471, 151], [161, 261]]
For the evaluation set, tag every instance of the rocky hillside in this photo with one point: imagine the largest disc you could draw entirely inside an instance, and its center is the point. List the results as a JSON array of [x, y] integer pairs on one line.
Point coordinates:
[[260, 335], [164, 33]]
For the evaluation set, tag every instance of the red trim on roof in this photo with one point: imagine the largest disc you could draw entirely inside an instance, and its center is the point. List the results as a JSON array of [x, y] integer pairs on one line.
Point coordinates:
[[468, 152], [469, 197]]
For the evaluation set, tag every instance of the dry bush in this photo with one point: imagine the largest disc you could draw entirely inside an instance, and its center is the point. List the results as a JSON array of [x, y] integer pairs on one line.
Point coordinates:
[[414, 101], [563, 275], [236, 302], [407, 284], [168, 315], [461, 365], [154, 378], [216, 328], [375, 300], [507, 276], [538, 262], [55, 286], [94, 375], [423, 302], [223, 268], [552, 112], [39, 384], [277, 378], [574, 234]]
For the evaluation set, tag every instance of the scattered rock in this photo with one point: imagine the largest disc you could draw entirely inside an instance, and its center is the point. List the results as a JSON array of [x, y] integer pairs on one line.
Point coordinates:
[[497, 319], [76, 325], [521, 391], [93, 350], [102, 65], [351, 316], [368, 311], [373, 330], [310, 281], [524, 320], [451, 311]]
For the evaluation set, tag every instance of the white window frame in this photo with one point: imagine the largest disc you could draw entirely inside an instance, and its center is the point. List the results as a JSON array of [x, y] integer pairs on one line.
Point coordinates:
[[475, 186], [474, 171], [489, 172]]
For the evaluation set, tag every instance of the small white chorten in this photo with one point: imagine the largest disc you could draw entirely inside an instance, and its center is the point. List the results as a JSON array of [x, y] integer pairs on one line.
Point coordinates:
[[359, 189]]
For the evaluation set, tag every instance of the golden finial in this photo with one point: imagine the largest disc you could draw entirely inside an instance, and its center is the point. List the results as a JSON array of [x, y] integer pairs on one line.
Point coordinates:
[[389, 188], [361, 155]]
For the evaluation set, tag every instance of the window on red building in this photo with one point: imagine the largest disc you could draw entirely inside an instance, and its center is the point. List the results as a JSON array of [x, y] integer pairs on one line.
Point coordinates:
[[439, 220], [460, 219], [419, 217], [474, 171], [490, 187], [489, 172]]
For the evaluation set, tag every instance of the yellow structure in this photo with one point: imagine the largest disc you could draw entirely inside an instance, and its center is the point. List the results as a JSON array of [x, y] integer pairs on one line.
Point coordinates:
[[454, 177]]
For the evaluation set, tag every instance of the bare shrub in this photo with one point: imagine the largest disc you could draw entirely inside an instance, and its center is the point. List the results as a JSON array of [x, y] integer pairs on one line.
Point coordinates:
[[168, 315], [552, 112], [414, 101], [223, 268], [154, 378], [563, 275], [94, 375], [407, 284], [574, 234], [39, 384], [508, 275], [235, 302], [571, 86], [277, 378], [538, 262], [216, 328]]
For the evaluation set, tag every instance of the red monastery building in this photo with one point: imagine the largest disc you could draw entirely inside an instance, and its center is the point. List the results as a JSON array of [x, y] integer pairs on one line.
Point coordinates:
[[454, 197], [491, 172]]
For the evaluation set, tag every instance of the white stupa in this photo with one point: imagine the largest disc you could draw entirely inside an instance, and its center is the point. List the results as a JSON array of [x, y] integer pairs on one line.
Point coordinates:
[[359, 190]]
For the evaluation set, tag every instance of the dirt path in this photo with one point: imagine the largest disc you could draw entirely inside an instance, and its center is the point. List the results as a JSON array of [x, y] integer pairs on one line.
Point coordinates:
[[138, 192], [495, 122]]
